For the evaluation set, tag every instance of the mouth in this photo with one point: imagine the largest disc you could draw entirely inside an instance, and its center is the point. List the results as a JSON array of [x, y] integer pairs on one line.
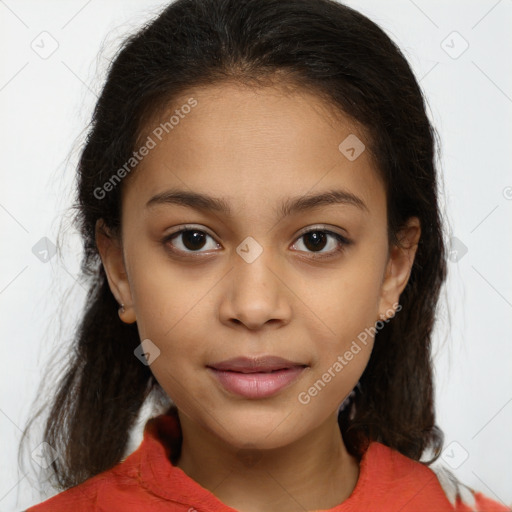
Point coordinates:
[[256, 377], [262, 364]]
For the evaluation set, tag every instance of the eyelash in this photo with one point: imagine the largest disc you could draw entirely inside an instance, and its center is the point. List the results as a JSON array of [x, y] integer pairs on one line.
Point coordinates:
[[343, 242]]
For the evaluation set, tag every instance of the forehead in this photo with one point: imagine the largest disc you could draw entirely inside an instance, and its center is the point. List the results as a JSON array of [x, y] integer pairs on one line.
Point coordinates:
[[242, 142]]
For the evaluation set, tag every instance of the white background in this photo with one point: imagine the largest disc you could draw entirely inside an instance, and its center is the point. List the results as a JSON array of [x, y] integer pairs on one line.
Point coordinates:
[[46, 104]]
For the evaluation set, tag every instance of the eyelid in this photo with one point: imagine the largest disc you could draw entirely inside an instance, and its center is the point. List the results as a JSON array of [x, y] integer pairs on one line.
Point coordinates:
[[343, 241], [188, 227], [191, 227], [321, 227]]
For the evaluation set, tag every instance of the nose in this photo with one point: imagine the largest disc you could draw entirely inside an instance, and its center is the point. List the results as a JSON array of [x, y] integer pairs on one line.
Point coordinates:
[[255, 294]]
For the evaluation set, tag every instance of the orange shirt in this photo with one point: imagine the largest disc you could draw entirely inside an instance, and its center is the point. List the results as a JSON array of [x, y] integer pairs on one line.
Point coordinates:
[[147, 481]]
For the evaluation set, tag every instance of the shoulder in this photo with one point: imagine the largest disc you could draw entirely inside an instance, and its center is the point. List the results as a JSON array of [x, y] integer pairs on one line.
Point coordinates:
[[113, 484], [416, 486], [81, 497], [463, 497], [126, 485], [403, 483]]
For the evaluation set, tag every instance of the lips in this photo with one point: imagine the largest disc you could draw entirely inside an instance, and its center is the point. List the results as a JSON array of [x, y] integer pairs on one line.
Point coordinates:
[[255, 378], [265, 364]]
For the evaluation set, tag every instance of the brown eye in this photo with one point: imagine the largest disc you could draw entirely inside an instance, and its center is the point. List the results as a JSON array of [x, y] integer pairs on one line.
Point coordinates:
[[315, 240], [193, 240], [189, 240], [318, 239]]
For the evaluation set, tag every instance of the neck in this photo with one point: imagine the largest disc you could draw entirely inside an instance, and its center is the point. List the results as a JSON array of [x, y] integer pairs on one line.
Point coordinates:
[[314, 472]]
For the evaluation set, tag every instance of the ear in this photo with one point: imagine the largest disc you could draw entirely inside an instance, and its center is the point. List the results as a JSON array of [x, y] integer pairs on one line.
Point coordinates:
[[398, 268], [111, 253]]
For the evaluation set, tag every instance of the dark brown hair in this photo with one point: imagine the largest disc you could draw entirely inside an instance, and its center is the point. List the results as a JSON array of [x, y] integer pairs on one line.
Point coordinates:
[[319, 45]]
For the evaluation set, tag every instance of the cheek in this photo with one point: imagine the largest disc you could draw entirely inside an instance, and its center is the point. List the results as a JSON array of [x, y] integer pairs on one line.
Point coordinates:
[[347, 300], [344, 343], [346, 303], [165, 295], [175, 323]]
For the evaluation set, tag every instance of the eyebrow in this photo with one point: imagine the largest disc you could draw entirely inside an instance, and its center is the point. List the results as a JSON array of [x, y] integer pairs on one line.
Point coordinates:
[[290, 206]]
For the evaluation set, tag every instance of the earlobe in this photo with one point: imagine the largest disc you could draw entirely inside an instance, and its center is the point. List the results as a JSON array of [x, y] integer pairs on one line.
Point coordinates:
[[111, 253], [399, 266]]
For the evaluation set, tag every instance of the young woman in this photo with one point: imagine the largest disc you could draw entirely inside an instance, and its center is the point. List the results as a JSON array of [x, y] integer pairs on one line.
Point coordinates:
[[258, 202]]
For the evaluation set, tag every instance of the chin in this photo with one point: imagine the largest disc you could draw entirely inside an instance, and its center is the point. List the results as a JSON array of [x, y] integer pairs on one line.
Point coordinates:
[[258, 425]]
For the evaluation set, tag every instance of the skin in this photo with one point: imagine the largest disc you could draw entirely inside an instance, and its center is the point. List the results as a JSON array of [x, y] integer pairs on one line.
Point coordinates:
[[256, 148]]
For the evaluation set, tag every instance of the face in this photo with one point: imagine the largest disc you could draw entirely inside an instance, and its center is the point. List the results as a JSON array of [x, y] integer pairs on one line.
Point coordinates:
[[270, 271]]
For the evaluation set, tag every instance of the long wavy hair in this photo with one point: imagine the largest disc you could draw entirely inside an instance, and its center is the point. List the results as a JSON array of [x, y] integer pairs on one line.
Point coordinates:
[[341, 56]]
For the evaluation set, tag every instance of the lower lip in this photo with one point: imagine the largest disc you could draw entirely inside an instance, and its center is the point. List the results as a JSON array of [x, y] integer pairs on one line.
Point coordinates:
[[257, 385]]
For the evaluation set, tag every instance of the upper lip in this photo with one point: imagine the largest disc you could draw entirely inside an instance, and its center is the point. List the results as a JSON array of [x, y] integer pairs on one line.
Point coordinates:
[[256, 364]]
